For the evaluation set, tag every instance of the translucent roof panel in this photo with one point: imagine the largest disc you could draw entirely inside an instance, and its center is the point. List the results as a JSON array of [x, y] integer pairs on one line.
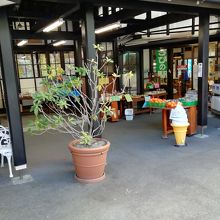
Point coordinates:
[[213, 19], [211, 32], [141, 16], [181, 24], [155, 14], [158, 28], [196, 20], [182, 29], [214, 26]]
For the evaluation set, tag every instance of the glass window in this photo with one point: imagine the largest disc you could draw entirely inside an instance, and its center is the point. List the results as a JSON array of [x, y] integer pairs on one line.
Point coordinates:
[[212, 49], [130, 64], [24, 66], [107, 52], [55, 61], [40, 64], [69, 60]]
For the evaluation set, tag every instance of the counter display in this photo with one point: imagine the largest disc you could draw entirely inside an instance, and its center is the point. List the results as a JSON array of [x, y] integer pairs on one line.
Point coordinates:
[[215, 100]]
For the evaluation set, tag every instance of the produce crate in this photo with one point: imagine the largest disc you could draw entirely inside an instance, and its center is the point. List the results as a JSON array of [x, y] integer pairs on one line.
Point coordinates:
[[188, 103], [157, 104]]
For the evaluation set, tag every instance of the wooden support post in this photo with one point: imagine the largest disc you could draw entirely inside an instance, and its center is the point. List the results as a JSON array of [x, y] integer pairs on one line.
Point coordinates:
[[10, 80], [203, 54], [170, 73]]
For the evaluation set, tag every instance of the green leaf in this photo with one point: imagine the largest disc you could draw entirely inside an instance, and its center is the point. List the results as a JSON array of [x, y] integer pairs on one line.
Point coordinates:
[[99, 87], [82, 71], [98, 47], [85, 138], [62, 103], [129, 74], [94, 117], [115, 75], [109, 60], [72, 120]]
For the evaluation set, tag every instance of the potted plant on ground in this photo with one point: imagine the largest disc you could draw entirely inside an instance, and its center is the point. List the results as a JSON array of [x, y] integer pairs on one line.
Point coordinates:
[[63, 106]]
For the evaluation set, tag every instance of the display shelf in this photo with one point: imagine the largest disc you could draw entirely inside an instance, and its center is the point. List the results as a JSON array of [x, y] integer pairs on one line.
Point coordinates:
[[215, 100], [137, 104]]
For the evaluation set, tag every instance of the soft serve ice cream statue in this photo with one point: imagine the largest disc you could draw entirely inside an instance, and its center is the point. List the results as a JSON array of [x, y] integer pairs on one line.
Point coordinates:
[[178, 115]]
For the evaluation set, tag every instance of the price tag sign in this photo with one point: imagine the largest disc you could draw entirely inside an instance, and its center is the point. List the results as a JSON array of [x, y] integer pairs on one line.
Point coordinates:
[[147, 98], [115, 98], [200, 69], [128, 98]]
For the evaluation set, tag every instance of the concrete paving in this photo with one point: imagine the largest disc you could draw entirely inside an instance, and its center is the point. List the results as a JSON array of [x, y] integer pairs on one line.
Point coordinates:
[[147, 177]]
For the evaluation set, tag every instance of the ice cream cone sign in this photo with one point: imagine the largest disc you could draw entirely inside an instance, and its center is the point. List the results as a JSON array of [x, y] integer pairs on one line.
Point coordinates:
[[179, 123], [178, 115]]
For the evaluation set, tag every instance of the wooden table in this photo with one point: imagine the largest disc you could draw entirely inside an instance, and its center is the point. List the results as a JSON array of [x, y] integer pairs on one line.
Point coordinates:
[[25, 98], [162, 95], [114, 107], [192, 118], [134, 104], [138, 99]]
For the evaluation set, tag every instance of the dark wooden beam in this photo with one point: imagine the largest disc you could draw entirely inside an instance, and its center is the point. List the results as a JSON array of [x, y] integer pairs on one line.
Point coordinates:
[[116, 61], [155, 22], [170, 73], [88, 40], [66, 13], [10, 81], [193, 26], [173, 7], [148, 18], [78, 52], [42, 48], [16, 1], [140, 72], [203, 55], [39, 11], [117, 16], [58, 1], [183, 6], [133, 21], [171, 43], [54, 35]]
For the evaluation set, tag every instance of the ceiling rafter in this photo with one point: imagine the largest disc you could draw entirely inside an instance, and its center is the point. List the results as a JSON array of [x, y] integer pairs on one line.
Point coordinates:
[[117, 16], [54, 35], [42, 24], [170, 42], [153, 23], [188, 8]]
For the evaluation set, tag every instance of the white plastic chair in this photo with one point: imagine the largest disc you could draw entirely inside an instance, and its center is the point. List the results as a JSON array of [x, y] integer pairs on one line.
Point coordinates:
[[5, 148]]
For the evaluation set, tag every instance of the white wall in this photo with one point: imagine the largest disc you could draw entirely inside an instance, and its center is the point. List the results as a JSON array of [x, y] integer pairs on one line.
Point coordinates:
[[27, 86]]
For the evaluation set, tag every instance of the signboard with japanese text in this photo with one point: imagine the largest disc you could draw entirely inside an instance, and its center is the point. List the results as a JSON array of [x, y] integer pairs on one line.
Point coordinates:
[[161, 63], [200, 69], [182, 67]]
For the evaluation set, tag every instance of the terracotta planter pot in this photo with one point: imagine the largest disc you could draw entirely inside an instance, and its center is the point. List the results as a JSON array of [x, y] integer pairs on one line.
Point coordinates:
[[89, 162]]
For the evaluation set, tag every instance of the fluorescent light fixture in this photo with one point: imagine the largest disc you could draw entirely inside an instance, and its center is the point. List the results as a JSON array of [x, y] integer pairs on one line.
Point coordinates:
[[107, 28], [54, 25], [58, 43], [21, 43], [6, 2]]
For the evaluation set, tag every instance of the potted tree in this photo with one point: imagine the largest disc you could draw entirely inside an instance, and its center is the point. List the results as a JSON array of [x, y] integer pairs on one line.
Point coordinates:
[[63, 106]]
